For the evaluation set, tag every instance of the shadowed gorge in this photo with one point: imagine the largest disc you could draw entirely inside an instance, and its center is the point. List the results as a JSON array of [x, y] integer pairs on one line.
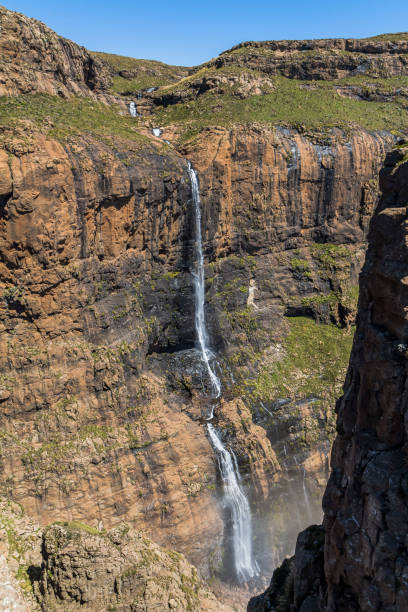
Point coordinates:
[[358, 560], [180, 251]]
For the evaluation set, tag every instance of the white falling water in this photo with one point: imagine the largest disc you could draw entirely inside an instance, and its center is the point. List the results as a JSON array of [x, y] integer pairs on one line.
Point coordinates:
[[133, 109], [234, 497], [198, 276], [306, 496], [236, 502]]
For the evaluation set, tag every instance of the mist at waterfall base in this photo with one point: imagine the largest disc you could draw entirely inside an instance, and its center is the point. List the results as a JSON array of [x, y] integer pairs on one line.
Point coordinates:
[[258, 533]]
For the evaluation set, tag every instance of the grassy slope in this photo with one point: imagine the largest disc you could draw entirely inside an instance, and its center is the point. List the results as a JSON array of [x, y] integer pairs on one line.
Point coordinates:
[[310, 104], [315, 362], [148, 73], [392, 37], [62, 119]]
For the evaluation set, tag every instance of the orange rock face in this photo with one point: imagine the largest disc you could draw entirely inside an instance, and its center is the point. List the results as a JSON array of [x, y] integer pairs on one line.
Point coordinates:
[[265, 187], [101, 394]]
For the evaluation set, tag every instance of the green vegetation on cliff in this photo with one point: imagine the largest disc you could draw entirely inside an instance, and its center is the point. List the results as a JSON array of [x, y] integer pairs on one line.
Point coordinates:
[[140, 73], [314, 363], [61, 119], [303, 104]]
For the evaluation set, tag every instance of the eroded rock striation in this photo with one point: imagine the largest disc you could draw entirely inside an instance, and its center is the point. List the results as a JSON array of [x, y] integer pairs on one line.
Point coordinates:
[[100, 392]]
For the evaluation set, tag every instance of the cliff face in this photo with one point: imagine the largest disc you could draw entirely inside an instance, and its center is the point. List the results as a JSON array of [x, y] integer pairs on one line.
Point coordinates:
[[100, 389], [119, 568], [102, 394], [365, 502], [320, 59], [72, 566], [363, 563]]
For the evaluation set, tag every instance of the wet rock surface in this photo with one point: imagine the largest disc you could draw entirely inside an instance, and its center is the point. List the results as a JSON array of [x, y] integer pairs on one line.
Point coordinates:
[[299, 582]]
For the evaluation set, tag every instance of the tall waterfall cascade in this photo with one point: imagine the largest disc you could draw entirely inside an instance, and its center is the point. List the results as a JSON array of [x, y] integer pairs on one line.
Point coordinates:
[[234, 498], [199, 288]]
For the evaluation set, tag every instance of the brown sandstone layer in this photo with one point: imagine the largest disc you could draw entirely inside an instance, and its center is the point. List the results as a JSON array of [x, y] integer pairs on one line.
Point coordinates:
[[101, 412], [102, 395]]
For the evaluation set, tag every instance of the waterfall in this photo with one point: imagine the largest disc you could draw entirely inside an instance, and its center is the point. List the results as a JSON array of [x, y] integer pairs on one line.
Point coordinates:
[[306, 496], [133, 109], [236, 502], [198, 276], [234, 498]]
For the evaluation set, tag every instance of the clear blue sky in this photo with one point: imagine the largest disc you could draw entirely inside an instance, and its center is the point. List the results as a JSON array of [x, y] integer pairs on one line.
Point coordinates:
[[189, 33]]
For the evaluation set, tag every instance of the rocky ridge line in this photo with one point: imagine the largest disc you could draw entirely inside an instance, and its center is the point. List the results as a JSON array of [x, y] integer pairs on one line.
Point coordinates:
[[35, 59]]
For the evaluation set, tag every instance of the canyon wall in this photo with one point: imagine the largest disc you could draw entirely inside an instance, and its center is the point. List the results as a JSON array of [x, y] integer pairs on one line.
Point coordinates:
[[101, 390], [359, 561], [365, 503], [103, 399]]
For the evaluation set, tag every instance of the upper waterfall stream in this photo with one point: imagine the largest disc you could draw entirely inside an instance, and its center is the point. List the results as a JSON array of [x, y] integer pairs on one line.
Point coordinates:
[[199, 288], [234, 501]]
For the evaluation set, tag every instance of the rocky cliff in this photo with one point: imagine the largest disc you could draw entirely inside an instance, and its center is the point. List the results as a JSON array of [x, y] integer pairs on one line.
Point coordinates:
[[365, 502], [71, 566], [34, 58], [98, 371], [103, 396], [363, 564]]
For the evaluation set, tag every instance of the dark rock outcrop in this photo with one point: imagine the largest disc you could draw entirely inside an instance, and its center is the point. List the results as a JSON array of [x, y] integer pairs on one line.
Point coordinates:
[[299, 583], [365, 505]]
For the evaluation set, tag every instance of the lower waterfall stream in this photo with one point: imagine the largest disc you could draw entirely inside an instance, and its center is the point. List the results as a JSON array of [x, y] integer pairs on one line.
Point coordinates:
[[234, 499]]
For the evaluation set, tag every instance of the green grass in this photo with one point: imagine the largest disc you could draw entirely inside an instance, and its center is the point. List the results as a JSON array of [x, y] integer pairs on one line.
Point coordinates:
[[391, 37], [316, 106], [330, 255], [315, 362], [148, 73], [123, 62], [129, 87], [62, 119], [78, 526]]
